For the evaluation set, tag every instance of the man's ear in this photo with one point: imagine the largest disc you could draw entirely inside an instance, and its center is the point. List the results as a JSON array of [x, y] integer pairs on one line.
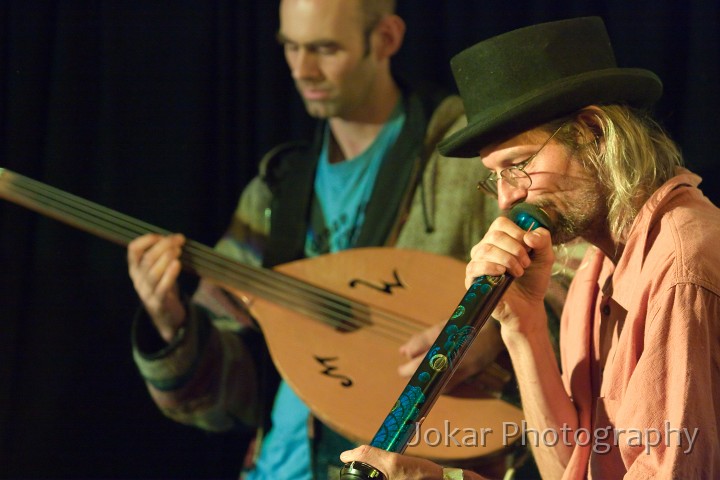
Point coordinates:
[[389, 34], [591, 121], [590, 128]]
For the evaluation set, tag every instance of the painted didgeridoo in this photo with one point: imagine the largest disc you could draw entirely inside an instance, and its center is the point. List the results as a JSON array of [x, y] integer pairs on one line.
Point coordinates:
[[444, 355]]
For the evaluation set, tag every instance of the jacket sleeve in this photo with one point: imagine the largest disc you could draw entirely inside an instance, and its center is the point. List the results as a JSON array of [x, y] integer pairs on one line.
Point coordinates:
[[211, 375]]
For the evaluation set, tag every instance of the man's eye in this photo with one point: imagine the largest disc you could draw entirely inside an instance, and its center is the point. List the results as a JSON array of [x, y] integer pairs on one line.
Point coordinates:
[[290, 47], [327, 49]]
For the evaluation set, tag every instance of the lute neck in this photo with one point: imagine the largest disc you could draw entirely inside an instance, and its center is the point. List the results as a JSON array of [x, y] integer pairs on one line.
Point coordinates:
[[196, 257]]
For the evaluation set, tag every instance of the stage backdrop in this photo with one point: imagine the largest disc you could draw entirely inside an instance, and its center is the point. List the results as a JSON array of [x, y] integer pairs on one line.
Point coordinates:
[[161, 109]]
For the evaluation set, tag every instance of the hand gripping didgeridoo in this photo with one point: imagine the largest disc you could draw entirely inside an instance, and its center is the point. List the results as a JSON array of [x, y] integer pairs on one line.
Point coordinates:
[[443, 356]]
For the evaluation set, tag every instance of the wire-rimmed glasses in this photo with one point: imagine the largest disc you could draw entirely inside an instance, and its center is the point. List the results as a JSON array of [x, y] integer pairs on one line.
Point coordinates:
[[515, 176]]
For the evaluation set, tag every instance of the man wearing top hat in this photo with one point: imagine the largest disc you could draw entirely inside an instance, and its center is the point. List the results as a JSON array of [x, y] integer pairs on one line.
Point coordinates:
[[560, 126]]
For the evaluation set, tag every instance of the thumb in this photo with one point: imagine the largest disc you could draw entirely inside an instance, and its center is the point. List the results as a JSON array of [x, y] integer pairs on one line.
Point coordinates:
[[363, 453], [540, 242]]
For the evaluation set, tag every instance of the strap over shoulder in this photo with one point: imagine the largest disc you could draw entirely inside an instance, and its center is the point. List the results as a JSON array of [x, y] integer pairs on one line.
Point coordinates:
[[271, 164]]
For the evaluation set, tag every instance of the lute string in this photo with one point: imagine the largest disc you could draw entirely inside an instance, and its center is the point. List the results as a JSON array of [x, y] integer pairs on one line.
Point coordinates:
[[331, 308]]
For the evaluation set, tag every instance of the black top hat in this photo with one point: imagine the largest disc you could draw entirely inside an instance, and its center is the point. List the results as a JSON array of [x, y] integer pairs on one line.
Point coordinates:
[[520, 79]]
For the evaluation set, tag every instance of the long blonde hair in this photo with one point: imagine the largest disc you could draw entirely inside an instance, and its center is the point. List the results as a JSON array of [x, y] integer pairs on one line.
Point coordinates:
[[628, 150]]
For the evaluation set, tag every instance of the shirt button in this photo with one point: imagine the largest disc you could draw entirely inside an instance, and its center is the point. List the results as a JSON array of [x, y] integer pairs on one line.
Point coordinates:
[[605, 310]]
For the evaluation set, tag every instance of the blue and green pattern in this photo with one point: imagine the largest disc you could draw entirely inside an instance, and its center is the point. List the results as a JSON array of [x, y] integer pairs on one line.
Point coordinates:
[[443, 356]]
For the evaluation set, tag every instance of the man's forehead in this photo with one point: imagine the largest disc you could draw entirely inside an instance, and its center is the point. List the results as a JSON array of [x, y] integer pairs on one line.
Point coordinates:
[[511, 147], [310, 20]]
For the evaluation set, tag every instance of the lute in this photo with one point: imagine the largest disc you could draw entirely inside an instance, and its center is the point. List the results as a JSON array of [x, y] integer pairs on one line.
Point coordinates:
[[333, 325]]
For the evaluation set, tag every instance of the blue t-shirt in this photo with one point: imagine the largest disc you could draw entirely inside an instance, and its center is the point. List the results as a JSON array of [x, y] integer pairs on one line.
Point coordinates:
[[285, 452], [342, 192]]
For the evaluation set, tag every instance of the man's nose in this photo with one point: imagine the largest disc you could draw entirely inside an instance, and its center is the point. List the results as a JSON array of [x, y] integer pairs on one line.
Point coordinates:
[[305, 65], [509, 196]]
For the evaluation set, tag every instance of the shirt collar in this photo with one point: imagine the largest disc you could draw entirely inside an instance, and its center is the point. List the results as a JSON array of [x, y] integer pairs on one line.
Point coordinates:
[[633, 257]]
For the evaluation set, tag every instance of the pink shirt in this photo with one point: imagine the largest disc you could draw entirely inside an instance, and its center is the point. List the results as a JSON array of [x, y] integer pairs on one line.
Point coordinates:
[[640, 345]]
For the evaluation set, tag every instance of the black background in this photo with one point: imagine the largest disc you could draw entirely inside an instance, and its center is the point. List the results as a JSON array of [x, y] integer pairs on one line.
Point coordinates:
[[161, 109]]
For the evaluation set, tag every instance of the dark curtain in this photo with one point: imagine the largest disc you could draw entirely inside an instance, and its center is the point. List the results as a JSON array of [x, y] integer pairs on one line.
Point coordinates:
[[161, 109]]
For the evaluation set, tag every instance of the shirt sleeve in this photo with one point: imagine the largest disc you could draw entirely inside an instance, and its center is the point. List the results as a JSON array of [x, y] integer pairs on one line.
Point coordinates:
[[209, 376]]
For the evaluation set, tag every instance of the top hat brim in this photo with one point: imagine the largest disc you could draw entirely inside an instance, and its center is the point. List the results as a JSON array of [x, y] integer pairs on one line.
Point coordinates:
[[636, 87]]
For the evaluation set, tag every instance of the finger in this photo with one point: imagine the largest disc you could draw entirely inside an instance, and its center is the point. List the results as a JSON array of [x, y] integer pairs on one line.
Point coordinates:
[[154, 254], [511, 242], [365, 454], [539, 240], [419, 343], [503, 253], [142, 255], [501, 226], [477, 268], [158, 270], [407, 369], [137, 247], [508, 265], [499, 253], [394, 466], [168, 281]]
